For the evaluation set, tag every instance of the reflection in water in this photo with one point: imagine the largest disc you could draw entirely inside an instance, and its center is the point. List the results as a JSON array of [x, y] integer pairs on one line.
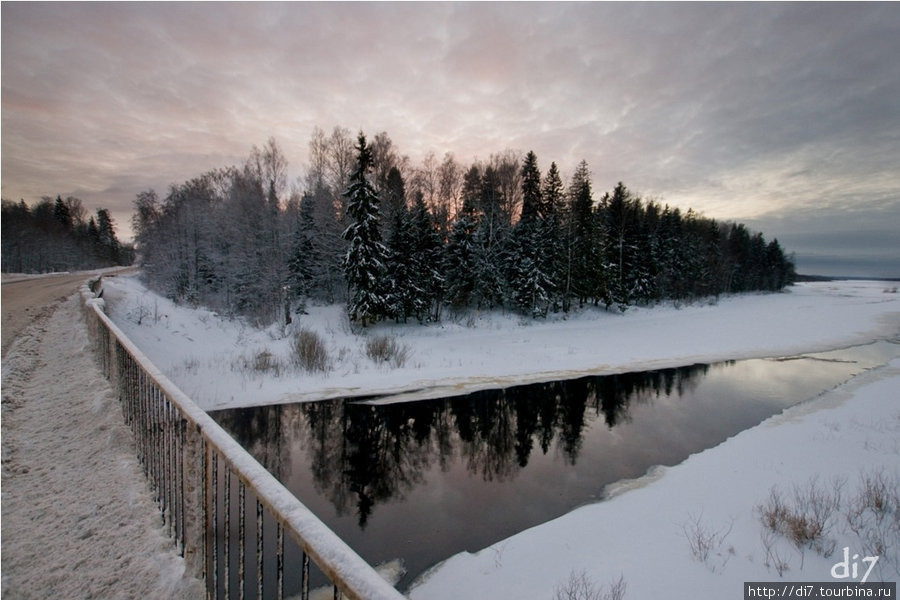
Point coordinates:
[[423, 480], [362, 455]]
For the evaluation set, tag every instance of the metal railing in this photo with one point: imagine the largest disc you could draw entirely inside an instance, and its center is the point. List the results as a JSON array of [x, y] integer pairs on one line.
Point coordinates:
[[197, 471]]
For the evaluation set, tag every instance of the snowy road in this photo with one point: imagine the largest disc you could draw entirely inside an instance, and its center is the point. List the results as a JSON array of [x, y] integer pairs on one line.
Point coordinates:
[[23, 297], [78, 518]]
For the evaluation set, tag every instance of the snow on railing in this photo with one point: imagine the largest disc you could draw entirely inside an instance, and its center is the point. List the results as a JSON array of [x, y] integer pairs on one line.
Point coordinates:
[[191, 463]]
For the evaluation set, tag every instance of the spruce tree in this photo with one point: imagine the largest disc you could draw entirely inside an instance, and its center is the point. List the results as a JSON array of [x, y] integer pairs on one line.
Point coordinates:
[[403, 296], [490, 243], [529, 257], [62, 214], [582, 274], [364, 264], [618, 223], [426, 252], [531, 189], [302, 255], [460, 253], [108, 244], [553, 232]]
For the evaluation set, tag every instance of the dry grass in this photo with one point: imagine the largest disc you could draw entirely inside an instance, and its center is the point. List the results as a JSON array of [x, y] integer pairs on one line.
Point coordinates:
[[384, 349], [708, 545], [808, 520], [874, 516], [309, 351], [580, 587]]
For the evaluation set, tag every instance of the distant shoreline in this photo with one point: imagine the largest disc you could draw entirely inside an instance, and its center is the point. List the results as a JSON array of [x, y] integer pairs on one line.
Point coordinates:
[[806, 278]]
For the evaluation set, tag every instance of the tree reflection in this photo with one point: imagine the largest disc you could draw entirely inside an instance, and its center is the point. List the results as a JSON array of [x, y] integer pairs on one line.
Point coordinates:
[[259, 430], [362, 455]]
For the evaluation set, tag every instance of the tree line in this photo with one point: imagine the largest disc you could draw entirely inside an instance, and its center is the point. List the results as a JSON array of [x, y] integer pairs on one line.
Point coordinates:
[[397, 241], [58, 235]]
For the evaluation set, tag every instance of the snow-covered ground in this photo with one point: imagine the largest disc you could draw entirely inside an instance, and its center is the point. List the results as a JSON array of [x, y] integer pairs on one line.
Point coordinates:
[[690, 531], [223, 363]]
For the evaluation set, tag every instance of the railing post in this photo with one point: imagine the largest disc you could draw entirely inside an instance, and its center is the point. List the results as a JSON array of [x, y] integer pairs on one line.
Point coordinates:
[[194, 477]]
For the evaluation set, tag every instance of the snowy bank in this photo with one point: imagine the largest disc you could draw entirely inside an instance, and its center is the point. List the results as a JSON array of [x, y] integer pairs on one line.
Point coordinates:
[[696, 531], [223, 363]]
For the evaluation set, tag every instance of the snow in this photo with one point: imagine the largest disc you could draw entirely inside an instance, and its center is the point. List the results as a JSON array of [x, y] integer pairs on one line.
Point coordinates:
[[78, 517], [212, 359], [643, 533]]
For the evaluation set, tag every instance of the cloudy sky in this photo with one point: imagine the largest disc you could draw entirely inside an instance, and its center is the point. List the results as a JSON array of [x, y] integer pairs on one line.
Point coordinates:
[[782, 116]]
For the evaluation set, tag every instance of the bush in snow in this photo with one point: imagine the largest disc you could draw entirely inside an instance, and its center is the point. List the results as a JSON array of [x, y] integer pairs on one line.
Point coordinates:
[[386, 349], [310, 353], [874, 516], [259, 362], [579, 587], [807, 520]]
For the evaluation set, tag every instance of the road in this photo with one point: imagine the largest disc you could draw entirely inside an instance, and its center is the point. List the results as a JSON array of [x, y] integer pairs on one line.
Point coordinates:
[[24, 298]]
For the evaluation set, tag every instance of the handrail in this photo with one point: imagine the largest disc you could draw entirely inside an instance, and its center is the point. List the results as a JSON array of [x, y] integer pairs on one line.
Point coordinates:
[[181, 447]]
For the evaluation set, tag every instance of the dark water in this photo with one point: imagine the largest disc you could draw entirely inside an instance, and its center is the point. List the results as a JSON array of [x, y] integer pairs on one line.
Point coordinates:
[[424, 480]]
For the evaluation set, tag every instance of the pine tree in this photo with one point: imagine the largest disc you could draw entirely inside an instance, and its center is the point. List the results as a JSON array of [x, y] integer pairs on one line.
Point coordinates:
[[302, 255], [62, 214], [643, 252], [490, 243], [554, 210], [618, 222], [108, 244], [364, 264], [670, 278], [780, 270], [393, 198], [426, 253], [529, 257], [403, 296], [460, 254], [530, 285], [531, 189], [582, 273]]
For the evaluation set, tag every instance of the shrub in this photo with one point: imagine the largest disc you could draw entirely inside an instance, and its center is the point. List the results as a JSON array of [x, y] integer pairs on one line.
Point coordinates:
[[872, 513], [705, 542], [261, 362], [808, 520], [579, 587], [386, 349], [266, 362], [310, 353], [874, 516]]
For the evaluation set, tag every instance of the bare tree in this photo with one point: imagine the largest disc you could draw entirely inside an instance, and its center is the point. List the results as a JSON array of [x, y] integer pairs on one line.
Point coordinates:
[[341, 159], [507, 167], [450, 184]]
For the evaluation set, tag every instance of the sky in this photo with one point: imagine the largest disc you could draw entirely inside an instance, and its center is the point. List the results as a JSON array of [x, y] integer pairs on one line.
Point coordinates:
[[785, 117]]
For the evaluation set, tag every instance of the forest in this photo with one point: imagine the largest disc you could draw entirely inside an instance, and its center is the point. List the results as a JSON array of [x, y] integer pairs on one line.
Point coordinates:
[[400, 241], [54, 235]]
